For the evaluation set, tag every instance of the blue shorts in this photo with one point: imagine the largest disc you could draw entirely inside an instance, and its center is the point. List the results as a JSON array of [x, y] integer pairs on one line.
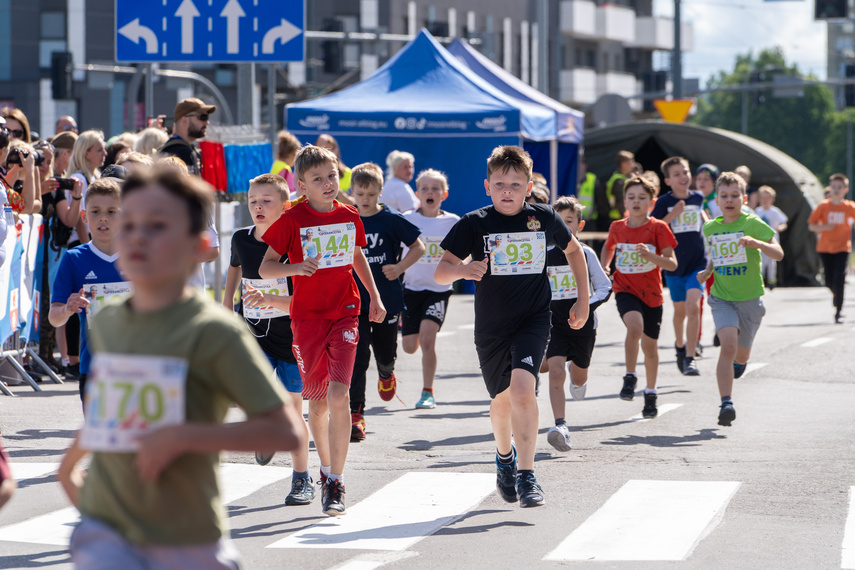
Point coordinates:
[[679, 285], [288, 374]]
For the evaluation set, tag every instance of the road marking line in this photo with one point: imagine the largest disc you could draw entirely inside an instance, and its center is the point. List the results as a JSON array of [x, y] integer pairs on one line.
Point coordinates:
[[752, 366], [442, 334], [399, 515], [374, 560], [663, 409], [816, 342], [54, 528], [24, 471], [649, 520], [849, 534], [470, 326]]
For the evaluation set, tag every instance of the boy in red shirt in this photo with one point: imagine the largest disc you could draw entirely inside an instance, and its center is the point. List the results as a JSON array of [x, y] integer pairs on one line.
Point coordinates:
[[644, 245], [830, 221], [323, 240]]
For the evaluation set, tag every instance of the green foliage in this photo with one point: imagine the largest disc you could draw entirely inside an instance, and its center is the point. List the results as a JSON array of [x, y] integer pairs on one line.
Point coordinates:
[[807, 128]]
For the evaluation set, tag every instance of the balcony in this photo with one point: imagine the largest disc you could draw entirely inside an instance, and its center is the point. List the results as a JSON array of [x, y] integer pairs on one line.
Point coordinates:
[[578, 85], [654, 33], [616, 23], [619, 83], [578, 18]]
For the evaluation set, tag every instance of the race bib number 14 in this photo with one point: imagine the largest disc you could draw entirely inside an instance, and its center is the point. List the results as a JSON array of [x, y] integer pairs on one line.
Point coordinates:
[[334, 243], [562, 282], [522, 253]]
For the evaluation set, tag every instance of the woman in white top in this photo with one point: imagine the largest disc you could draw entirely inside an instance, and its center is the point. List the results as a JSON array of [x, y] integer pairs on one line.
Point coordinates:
[[87, 158], [397, 193]]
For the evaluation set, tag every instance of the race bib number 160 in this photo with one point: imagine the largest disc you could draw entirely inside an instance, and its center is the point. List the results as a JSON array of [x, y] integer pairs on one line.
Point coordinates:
[[726, 250]]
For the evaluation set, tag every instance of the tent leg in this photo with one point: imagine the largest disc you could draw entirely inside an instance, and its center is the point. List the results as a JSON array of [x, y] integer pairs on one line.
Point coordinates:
[[553, 169]]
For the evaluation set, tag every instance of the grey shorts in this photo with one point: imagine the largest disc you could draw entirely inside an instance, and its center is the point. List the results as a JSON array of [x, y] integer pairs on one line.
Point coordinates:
[[744, 315], [96, 546]]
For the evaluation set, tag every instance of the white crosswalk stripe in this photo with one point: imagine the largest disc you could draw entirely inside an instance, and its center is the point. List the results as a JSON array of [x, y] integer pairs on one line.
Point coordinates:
[[848, 560], [663, 409]]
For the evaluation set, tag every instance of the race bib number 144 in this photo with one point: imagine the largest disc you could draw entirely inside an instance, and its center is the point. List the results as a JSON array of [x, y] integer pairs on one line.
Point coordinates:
[[334, 243]]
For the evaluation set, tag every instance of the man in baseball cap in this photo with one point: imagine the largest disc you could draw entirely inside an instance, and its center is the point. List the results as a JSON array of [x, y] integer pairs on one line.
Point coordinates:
[[191, 123]]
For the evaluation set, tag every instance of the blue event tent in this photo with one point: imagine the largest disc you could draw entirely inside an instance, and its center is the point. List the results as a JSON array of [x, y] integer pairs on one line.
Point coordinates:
[[426, 102], [553, 161]]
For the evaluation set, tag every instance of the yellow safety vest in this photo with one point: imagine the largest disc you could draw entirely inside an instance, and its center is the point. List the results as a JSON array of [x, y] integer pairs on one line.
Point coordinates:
[[614, 213], [586, 195]]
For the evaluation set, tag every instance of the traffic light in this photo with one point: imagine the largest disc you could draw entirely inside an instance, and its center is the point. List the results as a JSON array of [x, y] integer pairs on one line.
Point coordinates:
[[830, 9], [60, 74], [849, 88], [758, 95]]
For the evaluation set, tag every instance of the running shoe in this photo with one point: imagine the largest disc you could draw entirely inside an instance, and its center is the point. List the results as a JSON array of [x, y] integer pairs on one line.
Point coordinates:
[[628, 391], [716, 341], [726, 414], [263, 458], [681, 357], [332, 498], [302, 492], [649, 410], [559, 437], [506, 479], [690, 368], [531, 495], [357, 427], [387, 387], [699, 350], [578, 392], [838, 318], [738, 369], [426, 402]]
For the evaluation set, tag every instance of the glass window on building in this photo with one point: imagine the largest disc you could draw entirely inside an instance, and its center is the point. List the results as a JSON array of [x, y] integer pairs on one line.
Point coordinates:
[[53, 25]]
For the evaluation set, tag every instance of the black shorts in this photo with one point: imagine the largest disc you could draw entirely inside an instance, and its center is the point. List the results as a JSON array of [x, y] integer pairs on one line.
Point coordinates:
[[423, 305], [523, 348], [651, 316], [574, 347]]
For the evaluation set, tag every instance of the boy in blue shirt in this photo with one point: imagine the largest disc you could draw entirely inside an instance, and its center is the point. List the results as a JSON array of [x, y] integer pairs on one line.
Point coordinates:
[[385, 231], [88, 276]]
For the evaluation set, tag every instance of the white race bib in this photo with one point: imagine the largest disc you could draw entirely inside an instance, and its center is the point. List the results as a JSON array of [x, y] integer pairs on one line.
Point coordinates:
[[334, 243], [688, 221], [277, 287], [522, 253], [433, 252], [562, 282], [101, 294], [726, 250], [129, 396], [628, 260]]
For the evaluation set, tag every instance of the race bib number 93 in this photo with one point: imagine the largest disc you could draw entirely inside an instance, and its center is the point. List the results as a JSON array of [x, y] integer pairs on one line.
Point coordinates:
[[522, 253]]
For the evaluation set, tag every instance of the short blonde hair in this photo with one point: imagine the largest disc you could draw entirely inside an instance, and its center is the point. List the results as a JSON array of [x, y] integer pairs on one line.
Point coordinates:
[[103, 187], [174, 163], [367, 175], [134, 158], [433, 174], [767, 190], [276, 181], [730, 179], [149, 140], [311, 156]]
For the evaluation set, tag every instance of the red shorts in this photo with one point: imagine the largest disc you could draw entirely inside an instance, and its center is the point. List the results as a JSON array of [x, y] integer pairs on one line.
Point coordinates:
[[325, 350]]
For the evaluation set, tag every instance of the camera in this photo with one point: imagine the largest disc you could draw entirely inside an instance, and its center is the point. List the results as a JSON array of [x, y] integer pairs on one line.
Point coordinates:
[[65, 183], [17, 156]]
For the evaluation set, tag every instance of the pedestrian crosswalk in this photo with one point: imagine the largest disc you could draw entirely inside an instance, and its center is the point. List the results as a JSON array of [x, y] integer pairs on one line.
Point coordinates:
[[655, 520]]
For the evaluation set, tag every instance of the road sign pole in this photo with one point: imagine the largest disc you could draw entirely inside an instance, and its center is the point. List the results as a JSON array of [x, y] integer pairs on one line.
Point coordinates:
[[149, 90], [246, 84], [271, 103]]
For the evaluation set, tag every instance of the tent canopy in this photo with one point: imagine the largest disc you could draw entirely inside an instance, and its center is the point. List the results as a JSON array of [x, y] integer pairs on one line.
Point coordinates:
[[798, 190]]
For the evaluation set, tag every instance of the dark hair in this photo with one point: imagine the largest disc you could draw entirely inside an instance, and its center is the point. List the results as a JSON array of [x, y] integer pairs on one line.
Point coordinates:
[[113, 151], [569, 203], [195, 193], [640, 181], [506, 157]]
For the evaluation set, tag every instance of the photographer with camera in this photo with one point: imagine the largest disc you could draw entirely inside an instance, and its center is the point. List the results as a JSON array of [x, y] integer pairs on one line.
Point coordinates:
[[16, 123], [18, 175]]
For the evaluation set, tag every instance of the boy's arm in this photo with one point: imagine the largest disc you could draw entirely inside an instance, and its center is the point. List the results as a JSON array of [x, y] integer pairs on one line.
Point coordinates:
[[376, 310], [451, 268], [599, 280], [676, 210], [61, 312], [819, 228], [395, 270], [280, 429], [233, 276], [270, 267], [70, 475], [771, 248], [666, 261], [606, 256], [579, 266], [253, 298]]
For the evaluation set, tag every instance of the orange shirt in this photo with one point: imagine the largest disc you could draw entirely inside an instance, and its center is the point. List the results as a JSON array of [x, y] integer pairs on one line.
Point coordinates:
[[641, 280], [836, 240]]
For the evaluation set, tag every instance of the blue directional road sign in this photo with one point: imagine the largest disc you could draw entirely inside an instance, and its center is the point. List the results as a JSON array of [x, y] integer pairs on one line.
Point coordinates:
[[210, 30]]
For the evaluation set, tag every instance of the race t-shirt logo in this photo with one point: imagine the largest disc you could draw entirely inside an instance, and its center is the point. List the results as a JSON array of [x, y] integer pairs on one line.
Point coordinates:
[[533, 224], [349, 336]]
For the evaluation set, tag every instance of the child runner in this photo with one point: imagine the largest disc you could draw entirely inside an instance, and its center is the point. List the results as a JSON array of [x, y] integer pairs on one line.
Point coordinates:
[[90, 265], [427, 300], [566, 343], [736, 239], [512, 307], [830, 220], [777, 220], [166, 366], [266, 307], [641, 246], [325, 305], [682, 210], [386, 231]]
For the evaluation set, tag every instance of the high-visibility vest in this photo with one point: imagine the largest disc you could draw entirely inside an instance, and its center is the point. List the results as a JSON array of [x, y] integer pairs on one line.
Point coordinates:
[[586, 195], [614, 213]]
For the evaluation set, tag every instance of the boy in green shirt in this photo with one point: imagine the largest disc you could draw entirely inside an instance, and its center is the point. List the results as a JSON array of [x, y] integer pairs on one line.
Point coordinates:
[[735, 240]]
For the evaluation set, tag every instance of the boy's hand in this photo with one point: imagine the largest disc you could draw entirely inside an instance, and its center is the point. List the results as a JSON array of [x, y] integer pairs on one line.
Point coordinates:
[[157, 451], [77, 303], [578, 315], [748, 241], [252, 298], [391, 271], [475, 270], [309, 265], [678, 208], [376, 311], [703, 276], [644, 251]]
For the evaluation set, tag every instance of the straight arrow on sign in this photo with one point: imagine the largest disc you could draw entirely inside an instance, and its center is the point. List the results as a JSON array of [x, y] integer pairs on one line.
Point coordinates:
[[187, 11], [232, 13], [136, 32], [284, 32]]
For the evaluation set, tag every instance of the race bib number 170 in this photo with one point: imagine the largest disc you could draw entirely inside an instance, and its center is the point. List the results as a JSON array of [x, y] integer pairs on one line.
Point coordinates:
[[334, 243]]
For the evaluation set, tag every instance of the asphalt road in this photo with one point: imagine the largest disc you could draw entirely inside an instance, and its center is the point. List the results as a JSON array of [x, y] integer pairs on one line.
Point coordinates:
[[773, 491]]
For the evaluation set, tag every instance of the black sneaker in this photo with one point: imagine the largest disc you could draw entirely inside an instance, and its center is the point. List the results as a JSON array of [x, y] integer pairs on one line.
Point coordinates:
[[263, 458], [716, 341], [690, 368], [739, 369], [506, 480], [302, 492], [531, 495], [838, 318], [726, 414], [681, 357], [72, 373], [649, 410], [332, 498], [628, 391]]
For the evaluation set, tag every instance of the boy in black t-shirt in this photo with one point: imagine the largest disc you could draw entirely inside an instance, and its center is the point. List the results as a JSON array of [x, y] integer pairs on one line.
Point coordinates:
[[385, 231], [507, 242], [265, 306]]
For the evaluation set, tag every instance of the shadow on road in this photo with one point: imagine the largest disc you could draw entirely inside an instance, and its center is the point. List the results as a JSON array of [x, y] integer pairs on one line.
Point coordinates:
[[38, 560], [666, 440], [454, 530]]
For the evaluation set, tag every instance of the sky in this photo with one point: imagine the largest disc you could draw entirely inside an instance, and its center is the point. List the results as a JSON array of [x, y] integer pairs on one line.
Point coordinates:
[[724, 29]]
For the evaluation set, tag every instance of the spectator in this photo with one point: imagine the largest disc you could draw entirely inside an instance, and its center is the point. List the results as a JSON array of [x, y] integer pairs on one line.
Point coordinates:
[[63, 144], [745, 172], [4, 197], [16, 123], [329, 143], [149, 140], [87, 158], [397, 193], [20, 177], [133, 160], [114, 151], [286, 152], [191, 124], [66, 123]]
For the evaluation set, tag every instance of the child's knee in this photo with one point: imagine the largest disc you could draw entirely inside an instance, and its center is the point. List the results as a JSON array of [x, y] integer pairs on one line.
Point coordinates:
[[410, 343]]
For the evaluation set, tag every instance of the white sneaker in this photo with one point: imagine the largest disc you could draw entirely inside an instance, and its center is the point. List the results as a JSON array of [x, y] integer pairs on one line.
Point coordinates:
[[578, 392], [559, 437]]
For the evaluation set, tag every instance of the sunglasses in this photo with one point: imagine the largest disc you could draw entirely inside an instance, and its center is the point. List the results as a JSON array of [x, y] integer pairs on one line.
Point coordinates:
[[16, 133], [69, 128], [203, 117]]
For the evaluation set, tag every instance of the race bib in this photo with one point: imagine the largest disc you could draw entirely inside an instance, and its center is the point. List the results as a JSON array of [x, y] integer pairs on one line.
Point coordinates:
[[101, 294], [628, 260], [9, 214], [334, 243], [433, 252], [277, 287], [562, 282], [522, 253], [129, 396], [688, 221], [726, 250]]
